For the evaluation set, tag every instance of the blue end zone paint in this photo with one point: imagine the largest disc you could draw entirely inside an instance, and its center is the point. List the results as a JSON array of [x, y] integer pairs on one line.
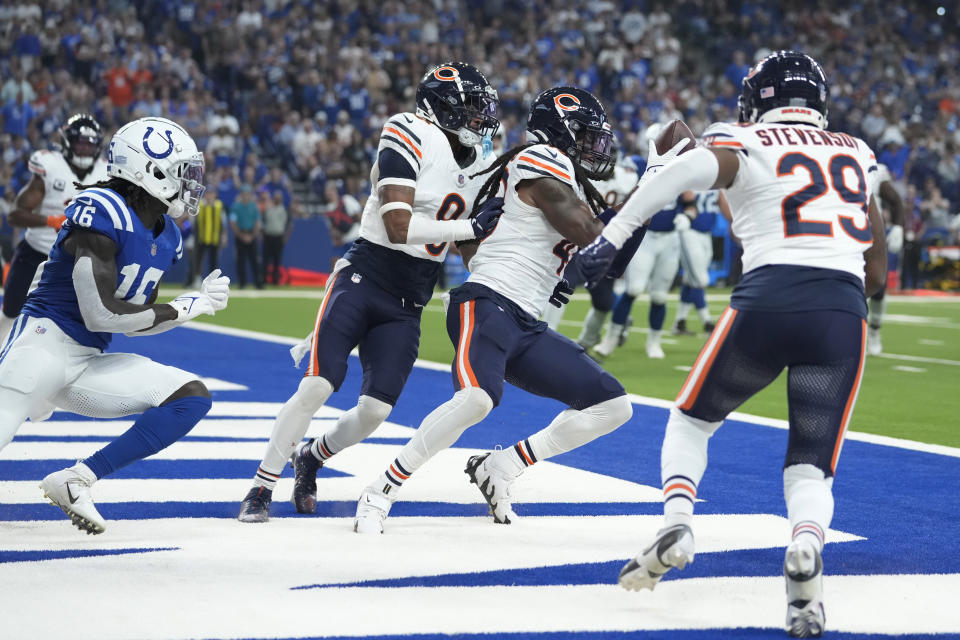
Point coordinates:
[[41, 555], [904, 502]]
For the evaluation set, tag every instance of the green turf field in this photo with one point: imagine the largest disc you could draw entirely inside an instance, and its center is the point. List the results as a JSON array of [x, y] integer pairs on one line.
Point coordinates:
[[900, 396]]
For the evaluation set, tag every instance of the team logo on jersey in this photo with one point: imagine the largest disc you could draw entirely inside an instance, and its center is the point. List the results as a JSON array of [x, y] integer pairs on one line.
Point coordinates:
[[566, 102], [355, 278], [59, 184], [167, 136], [461, 180]]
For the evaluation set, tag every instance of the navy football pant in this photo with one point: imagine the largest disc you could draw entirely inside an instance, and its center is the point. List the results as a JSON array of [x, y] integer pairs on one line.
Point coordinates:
[[26, 259], [492, 347], [823, 353], [357, 311]]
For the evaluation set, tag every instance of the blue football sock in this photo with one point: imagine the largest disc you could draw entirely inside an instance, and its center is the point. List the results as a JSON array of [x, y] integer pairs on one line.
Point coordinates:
[[621, 310], [685, 294], [657, 314], [154, 430]]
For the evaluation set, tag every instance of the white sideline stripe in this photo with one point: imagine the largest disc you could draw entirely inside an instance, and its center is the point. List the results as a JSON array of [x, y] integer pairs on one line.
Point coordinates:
[[897, 356], [887, 441]]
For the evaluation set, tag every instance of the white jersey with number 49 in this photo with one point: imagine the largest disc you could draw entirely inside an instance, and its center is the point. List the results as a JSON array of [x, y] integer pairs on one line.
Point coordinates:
[[58, 189], [800, 195], [444, 189], [524, 256]]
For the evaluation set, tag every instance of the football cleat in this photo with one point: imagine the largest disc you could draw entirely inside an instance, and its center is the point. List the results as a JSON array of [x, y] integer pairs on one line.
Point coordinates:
[[625, 332], [655, 351], [70, 491], [709, 326], [256, 506], [673, 548], [372, 509], [494, 484], [874, 345], [680, 329], [305, 466], [803, 571]]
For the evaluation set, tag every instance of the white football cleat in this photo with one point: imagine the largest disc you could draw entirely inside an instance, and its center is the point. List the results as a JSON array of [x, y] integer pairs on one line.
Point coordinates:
[[372, 510], [655, 351], [69, 489], [803, 571], [874, 345], [673, 548], [494, 483]]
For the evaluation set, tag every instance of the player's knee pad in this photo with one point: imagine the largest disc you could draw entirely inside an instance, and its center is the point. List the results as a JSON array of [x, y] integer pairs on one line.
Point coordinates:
[[610, 414], [473, 403], [312, 393], [658, 297], [796, 475], [372, 412], [682, 420]]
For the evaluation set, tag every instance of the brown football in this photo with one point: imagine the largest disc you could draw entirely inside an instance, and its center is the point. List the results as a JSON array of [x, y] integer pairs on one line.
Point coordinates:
[[673, 133]]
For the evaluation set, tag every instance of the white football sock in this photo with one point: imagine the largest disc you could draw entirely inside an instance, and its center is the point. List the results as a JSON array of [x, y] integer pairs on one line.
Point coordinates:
[[704, 313], [353, 426], [877, 309], [592, 325], [653, 338], [683, 310], [553, 315], [609, 342], [291, 425], [572, 428], [683, 459], [809, 501]]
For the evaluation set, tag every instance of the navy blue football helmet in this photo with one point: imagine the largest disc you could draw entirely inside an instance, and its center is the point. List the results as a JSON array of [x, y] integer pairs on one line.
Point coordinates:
[[574, 121], [457, 98], [786, 86], [81, 140]]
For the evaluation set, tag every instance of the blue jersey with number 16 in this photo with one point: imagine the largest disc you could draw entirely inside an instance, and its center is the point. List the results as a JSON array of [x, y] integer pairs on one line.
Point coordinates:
[[143, 256]]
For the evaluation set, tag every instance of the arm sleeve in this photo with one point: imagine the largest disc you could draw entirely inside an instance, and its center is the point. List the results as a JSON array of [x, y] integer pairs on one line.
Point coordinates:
[[695, 170], [97, 317]]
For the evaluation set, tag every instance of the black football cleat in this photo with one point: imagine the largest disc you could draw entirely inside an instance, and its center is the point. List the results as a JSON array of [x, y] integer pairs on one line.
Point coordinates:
[[256, 506], [680, 329], [709, 326], [305, 467]]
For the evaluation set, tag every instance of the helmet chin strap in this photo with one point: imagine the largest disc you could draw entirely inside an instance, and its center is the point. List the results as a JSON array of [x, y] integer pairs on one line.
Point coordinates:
[[467, 137], [176, 209]]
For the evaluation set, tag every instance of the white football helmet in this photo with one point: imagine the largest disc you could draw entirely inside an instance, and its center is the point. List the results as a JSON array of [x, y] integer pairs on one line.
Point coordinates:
[[160, 156]]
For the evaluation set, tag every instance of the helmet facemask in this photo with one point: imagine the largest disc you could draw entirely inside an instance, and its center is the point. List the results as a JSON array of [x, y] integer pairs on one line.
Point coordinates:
[[190, 175], [594, 148]]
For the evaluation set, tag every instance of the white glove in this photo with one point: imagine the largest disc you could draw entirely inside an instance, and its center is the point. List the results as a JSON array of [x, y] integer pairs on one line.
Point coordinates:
[[681, 222], [192, 304], [216, 287], [655, 161], [895, 239], [301, 349]]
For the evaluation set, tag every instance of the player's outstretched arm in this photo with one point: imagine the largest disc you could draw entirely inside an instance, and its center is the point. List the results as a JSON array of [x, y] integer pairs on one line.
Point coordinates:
[[565, 212], [95, 279], [29, 200], [875, 258], [404, 228]]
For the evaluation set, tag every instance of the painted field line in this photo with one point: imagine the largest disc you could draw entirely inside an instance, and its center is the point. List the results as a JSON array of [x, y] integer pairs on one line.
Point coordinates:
[[871, 438], [898, 356]]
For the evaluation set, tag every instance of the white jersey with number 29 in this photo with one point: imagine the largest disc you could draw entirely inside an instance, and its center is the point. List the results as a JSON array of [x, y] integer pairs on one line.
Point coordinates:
[[800, 195]]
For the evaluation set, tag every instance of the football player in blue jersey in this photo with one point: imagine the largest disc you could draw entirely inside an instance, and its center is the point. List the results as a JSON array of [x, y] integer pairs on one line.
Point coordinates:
[[118, 240], [424, 183]]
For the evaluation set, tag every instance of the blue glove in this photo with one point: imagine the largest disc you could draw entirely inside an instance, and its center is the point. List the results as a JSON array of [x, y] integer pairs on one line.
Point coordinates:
[[591, 263], [561, 293], [488, 215]]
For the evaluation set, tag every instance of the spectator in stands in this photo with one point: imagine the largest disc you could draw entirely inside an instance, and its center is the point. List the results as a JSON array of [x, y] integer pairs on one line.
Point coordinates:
[[277, 224], [246, 226], [305, 142], [210, 234], [17, 84], [278, 182]]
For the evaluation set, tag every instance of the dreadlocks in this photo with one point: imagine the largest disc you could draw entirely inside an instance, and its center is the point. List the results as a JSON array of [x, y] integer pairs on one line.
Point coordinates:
[[135, 196], [489, 188]]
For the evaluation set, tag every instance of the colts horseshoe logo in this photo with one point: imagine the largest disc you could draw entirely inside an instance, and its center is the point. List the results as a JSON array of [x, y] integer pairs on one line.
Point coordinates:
[[168, 136], [567, 102]]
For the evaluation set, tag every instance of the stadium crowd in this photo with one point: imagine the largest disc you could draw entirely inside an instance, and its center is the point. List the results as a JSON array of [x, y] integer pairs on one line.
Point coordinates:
[[289, 97]]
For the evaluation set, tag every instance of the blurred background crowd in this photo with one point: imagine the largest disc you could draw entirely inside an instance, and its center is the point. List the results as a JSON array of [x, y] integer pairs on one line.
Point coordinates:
[[287, 98]]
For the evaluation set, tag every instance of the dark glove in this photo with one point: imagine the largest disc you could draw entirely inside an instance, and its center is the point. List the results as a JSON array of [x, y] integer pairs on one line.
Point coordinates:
[[561, 293], [591, 263], [488, 215]]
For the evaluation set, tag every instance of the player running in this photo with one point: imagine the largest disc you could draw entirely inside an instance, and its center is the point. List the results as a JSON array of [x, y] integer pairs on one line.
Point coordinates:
[[696, 253], [101, 278], [801, 203], [423, 185], [39, 205], [550, 209], [887, 194]]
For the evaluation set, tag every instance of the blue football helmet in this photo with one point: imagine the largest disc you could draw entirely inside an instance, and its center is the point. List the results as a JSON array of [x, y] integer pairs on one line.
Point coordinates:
[[457, 98], [786, 86], [574, 121]]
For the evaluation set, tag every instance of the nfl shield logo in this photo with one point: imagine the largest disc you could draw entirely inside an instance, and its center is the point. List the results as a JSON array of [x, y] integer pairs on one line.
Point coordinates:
[[355, 278], [41, 329], [153, 249], [461, 180]]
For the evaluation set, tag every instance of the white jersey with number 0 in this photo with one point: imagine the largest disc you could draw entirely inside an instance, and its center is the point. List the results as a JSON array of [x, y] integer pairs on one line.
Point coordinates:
[[800, 195], [444, 189], [58, 189], [524, 256]]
